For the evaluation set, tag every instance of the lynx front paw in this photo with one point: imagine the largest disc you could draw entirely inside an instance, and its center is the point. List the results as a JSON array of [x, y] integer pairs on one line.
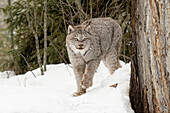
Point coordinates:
[[85, 83], [79, 93]]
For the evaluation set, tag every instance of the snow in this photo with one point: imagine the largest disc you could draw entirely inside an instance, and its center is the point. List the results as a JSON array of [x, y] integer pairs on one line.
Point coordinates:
[[52, 92]]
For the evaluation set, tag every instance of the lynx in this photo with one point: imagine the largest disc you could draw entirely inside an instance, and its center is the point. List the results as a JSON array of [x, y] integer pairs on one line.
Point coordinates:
[[87, 44]]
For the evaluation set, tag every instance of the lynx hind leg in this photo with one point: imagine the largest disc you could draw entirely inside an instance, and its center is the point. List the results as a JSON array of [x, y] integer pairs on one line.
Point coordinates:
[[119, 51], [111, 61], [79, 71], [118, 42]]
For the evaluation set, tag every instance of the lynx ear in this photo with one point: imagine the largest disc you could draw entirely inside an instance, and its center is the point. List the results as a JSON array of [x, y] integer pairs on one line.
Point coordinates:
[[87, 28], [70, 29]]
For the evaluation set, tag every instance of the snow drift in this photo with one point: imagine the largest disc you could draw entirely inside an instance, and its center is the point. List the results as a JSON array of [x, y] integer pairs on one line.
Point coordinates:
[[52, 93]]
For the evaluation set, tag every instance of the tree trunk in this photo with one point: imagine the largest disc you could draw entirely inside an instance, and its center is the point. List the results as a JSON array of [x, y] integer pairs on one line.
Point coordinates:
[[35, 34], [12, 35], [45, 34], [149, 85]]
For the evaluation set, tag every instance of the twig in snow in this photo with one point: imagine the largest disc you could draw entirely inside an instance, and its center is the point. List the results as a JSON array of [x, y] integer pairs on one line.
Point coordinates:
[[29, 66], [68, 70], [114, 85]]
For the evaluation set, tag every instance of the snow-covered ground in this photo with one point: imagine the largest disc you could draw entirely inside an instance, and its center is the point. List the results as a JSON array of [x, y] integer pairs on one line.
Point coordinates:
[[52, 93]]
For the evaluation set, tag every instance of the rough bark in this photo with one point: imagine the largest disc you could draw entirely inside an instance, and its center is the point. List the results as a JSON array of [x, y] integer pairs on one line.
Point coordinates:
[[149, 87], [45, 34], [35, 34]]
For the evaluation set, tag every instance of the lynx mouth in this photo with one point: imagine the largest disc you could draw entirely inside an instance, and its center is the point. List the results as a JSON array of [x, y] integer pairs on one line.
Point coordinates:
[[80, 48]]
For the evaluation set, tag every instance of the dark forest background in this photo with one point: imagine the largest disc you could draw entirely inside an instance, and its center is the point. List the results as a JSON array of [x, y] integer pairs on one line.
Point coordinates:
[[19, 52]]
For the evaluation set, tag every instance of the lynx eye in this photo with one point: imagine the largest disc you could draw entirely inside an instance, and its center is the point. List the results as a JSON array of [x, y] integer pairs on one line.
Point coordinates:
[[76, 39], [84, 39]]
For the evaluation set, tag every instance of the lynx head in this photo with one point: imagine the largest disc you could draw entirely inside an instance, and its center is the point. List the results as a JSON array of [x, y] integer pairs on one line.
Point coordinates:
[[79, 38]]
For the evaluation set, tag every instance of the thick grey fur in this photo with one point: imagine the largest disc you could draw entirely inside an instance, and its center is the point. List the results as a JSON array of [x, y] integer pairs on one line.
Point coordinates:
[[87, 44]]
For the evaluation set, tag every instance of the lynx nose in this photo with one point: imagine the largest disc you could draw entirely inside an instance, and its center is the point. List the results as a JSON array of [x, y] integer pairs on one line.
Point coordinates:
[[80, 45]]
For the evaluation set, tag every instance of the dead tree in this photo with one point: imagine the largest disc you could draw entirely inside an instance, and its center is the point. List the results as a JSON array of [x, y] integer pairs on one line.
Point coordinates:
[[35, 33], [12, 35], [45, 34], [150, 81]]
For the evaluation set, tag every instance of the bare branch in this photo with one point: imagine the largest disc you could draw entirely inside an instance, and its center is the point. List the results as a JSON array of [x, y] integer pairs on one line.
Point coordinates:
[[45, 34], [35, 34]]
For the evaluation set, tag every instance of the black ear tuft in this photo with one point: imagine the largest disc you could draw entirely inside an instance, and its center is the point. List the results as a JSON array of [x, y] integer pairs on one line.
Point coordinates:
[[87, 28], [89, 23]]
